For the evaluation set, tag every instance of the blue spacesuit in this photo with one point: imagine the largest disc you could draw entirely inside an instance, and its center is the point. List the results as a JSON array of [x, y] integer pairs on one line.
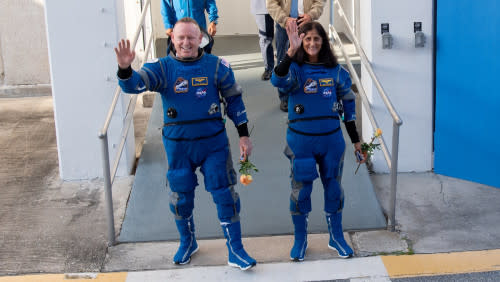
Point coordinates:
[[318, 98], [194, 136]]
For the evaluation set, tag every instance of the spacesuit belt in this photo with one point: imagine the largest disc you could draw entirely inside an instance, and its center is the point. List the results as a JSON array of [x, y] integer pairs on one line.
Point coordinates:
[[191, 121], [197, 138], [314, 134], [313, 118]]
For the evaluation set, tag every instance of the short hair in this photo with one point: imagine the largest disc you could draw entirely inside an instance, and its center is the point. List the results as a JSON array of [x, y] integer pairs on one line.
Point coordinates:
[[188, 20], [325, 55]]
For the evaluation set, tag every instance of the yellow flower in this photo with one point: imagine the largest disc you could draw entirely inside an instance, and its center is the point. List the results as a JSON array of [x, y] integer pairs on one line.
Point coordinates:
[[378, 132]]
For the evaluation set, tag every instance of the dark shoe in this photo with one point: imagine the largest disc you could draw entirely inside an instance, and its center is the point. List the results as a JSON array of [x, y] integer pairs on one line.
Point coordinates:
[[284, 105], [266, 75]]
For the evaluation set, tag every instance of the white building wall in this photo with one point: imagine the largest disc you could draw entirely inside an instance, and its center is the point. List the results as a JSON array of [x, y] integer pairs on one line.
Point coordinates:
[[24, 59], [406, 74], [83, 70]]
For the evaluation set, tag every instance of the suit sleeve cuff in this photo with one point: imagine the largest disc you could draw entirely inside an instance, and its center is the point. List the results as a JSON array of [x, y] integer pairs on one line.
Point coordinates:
[[350, 126], [242, 130], [124, 73]]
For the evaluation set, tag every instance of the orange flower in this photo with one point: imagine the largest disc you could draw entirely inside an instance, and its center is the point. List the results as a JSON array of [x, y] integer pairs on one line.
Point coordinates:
[[246, 179], [246, 168]]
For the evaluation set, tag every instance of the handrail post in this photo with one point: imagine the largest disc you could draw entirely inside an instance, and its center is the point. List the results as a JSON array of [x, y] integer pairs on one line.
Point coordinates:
[[394, 172], [332, 20], [392, 159], [107, 191]]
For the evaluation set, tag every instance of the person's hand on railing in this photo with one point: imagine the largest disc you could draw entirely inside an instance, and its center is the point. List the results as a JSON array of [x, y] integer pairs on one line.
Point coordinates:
[[124, 56], [294, 38]]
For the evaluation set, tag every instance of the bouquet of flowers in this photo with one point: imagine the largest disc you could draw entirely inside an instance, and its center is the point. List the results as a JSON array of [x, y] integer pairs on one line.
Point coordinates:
[[246, 169], [367, 149]]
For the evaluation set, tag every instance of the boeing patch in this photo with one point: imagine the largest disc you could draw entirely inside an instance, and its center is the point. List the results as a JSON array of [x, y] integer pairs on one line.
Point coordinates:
[[199, 81], [311, 86], [181, 85]]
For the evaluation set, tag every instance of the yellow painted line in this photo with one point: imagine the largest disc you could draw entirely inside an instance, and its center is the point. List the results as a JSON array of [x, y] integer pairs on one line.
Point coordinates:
[[101, 277], [444, 263]]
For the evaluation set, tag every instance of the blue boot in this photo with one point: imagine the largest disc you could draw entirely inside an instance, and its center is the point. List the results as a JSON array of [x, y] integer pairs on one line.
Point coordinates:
[[337, 241], [237, 255], [188, 244], [300, 245]]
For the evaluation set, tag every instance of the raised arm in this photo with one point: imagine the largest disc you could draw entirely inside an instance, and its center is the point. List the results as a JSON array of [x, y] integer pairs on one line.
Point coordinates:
[[149, 77]]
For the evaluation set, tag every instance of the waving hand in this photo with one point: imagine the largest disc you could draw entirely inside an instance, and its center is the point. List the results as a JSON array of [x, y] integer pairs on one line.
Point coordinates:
[[294, 38], [124, 56]]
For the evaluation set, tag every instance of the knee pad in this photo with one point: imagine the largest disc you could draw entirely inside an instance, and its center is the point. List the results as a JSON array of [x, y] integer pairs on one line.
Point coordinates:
[[304, 169], [300, 199], [227, 202], [182, 204], [182, 179]]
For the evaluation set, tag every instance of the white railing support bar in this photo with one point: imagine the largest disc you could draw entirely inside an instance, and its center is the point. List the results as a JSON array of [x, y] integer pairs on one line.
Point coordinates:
[[394, 173], [109, 173], [108, 192], [391, 158], [367, 65], [141, 23]]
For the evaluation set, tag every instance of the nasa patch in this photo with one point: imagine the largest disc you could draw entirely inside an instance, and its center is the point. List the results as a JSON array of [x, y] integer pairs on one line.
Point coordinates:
[[201, 92], [327, 93], [311, 86], [181, 85]]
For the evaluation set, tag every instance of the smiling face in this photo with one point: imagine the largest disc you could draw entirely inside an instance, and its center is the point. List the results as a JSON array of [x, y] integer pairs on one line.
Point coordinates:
[[312, 45], [186, 38]]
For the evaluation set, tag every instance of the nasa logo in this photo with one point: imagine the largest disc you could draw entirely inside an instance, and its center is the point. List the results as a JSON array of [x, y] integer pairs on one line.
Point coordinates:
[[201, 92]]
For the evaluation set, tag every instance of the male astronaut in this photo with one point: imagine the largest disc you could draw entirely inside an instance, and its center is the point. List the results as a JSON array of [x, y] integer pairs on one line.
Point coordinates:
[[194, 134]]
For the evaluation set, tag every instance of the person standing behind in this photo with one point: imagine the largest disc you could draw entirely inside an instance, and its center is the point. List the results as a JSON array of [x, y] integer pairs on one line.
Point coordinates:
[[192, 85], [284, 12], [173, 10], [266, 34], [319, 92]]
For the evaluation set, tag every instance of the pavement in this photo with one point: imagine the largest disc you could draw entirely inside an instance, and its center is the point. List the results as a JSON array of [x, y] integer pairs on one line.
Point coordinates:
[[54, 230]]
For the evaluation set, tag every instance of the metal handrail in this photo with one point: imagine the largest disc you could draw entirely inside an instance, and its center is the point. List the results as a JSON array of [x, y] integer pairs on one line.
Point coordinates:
[[110, 172], [391, 159]]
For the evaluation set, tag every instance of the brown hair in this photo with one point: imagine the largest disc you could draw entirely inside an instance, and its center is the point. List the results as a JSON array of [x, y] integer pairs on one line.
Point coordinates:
[[188, 20], [325, 55]]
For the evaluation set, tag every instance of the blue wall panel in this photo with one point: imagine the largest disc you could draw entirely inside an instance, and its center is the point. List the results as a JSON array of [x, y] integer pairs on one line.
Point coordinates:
[[467, 132]]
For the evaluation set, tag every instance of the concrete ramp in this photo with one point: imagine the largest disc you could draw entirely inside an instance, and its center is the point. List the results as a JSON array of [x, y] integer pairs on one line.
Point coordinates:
[[265, 202]]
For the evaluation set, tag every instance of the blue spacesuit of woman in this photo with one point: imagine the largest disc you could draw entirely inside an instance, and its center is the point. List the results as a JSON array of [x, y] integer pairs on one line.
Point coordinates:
[[194, 136], [319, 98]]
